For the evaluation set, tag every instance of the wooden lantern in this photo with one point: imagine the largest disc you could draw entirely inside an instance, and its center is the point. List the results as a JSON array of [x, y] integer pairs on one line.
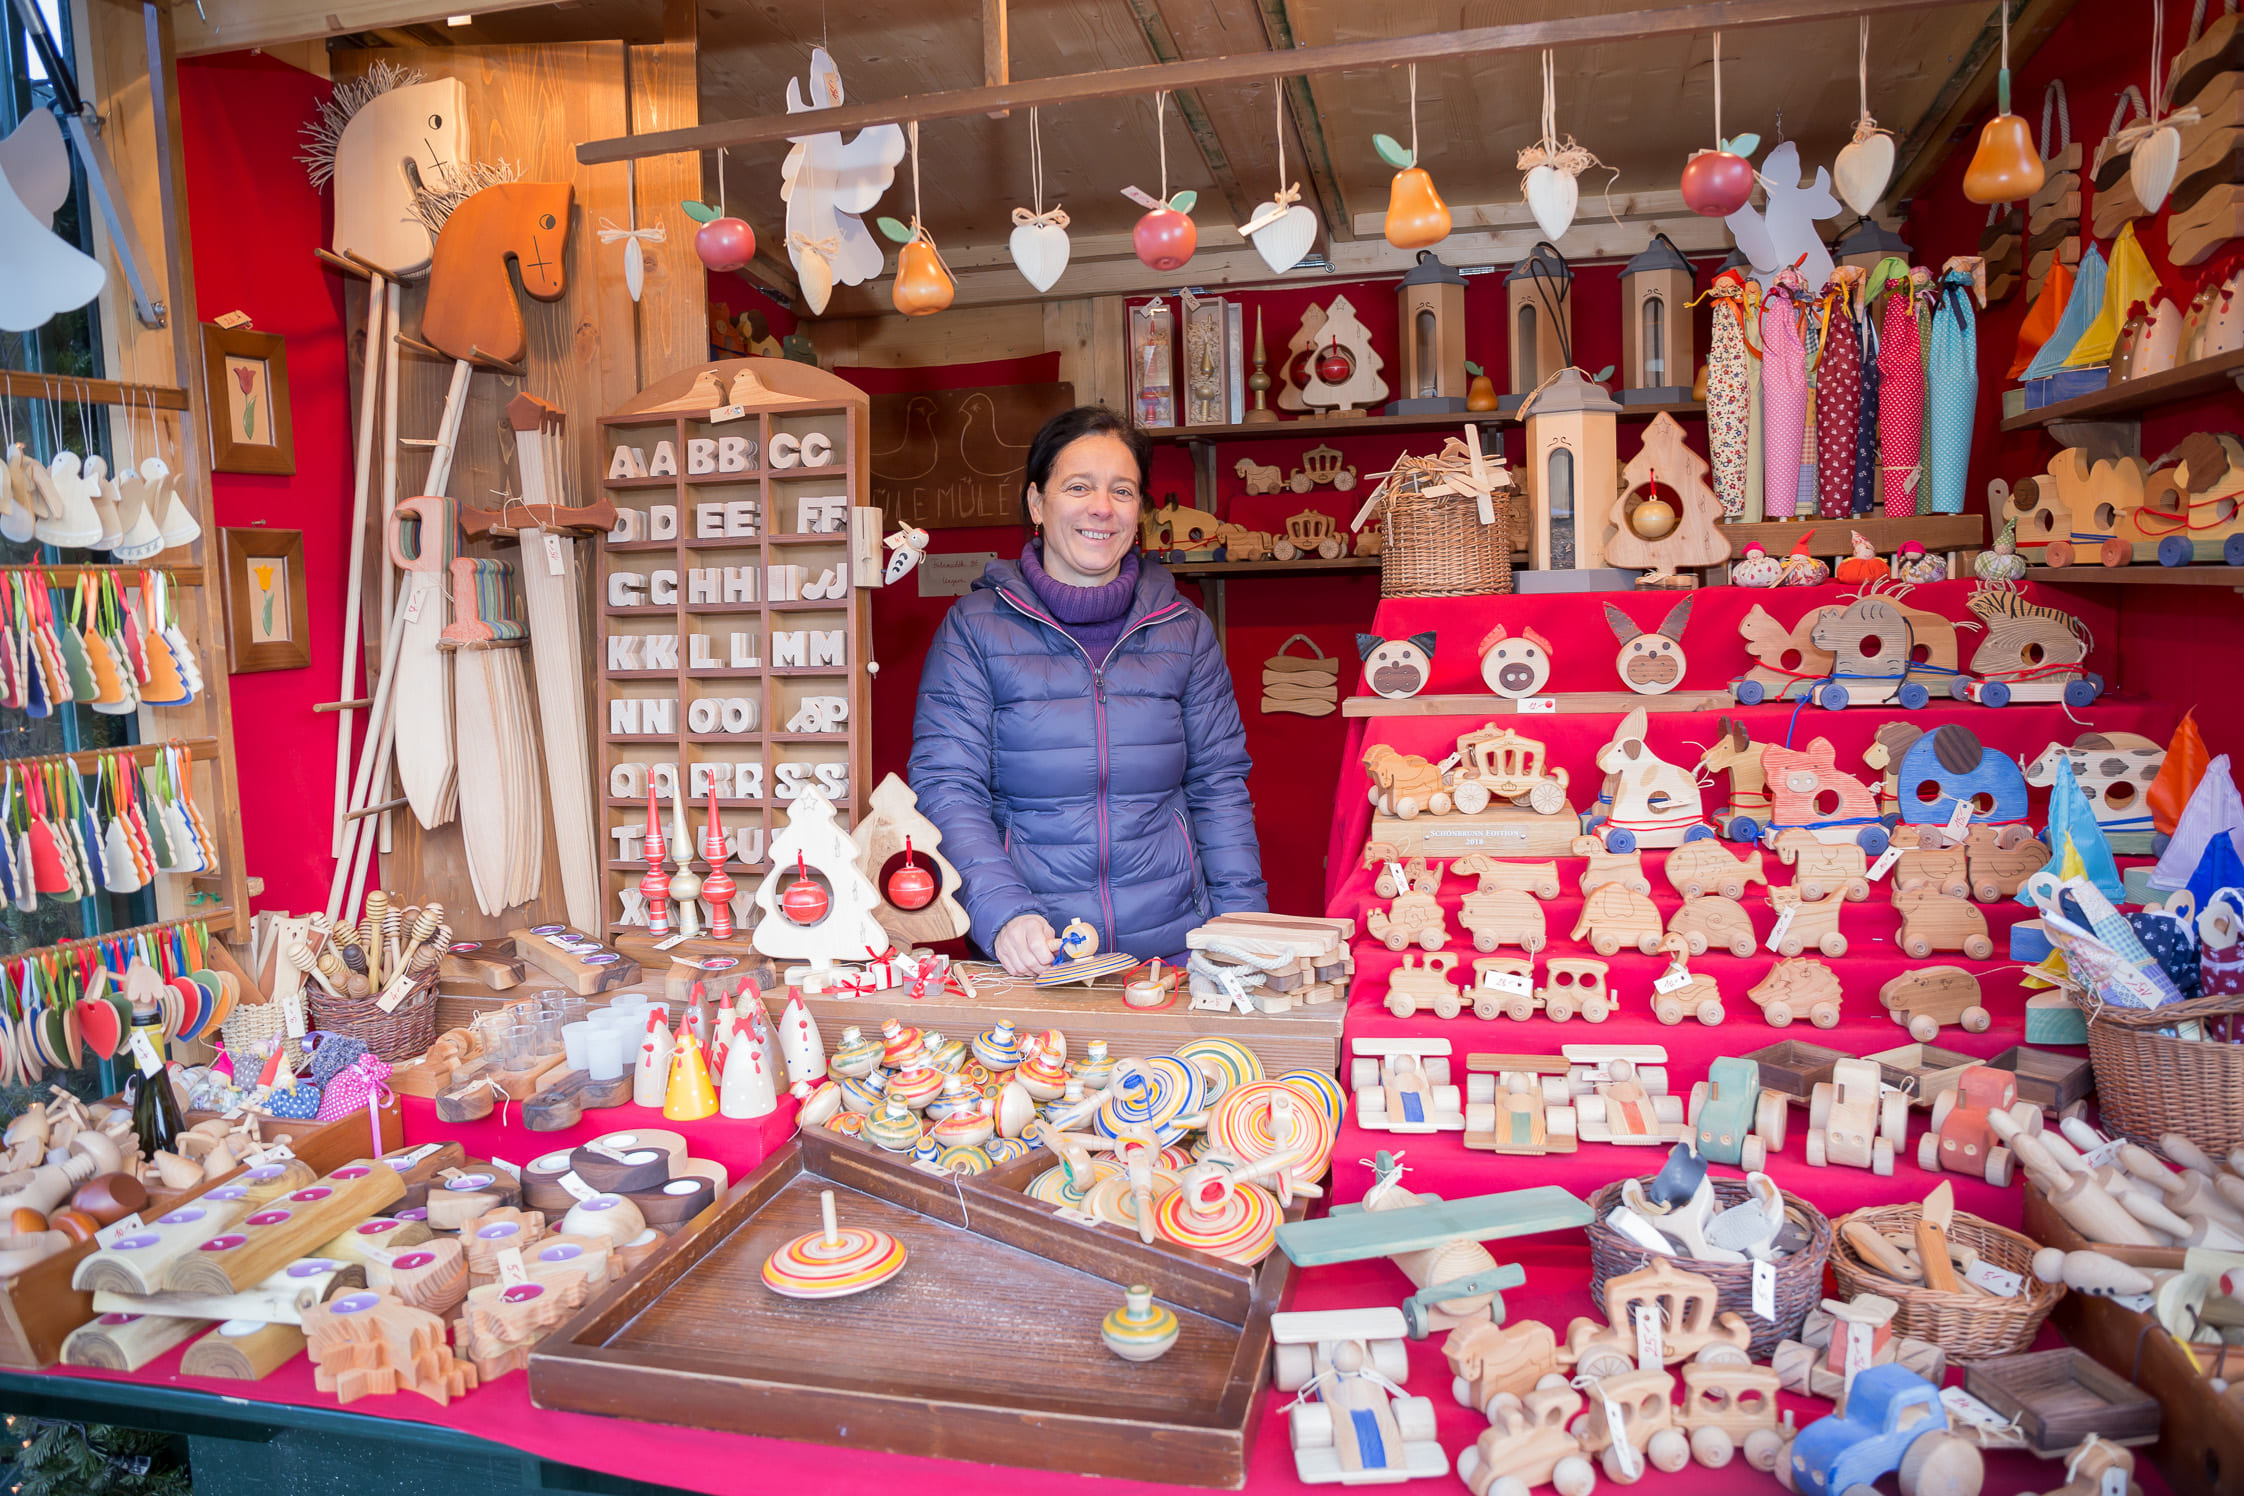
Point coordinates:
[[1657, 357], [1867, 243], [1539, 316], [1571, 475], [1430, 310]]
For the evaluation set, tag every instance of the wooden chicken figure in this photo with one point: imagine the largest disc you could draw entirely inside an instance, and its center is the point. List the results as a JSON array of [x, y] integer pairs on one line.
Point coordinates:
[[1755, 568], [689, 1096], [1863, 566], [1913, 563], [1802, 569]]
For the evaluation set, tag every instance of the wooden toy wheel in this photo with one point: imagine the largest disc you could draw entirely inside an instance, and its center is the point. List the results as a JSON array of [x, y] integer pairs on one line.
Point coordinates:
[[1824, 1015], [1406, 807], [1942, 1105], [1344, 479], [2028, 1118], [1816, 1157], [1284, 550], [1712, 1447], [1414, 1418], [1765, 1450], [1976, 1021], [1470, 796], [1484, 942], [1923, 1028], [1401, 1006], [1893, 1116], [1532, 943], [1301, 482], [1753, 1155], [1523, 1008], [1987, 891], [1819, 1106], [1710, 1012], [1649, 944], [1596, 1009], [1917, 945], [1941, 1465], [1668, 1010], [1330, 549], [1770, 1116], [1857, 890], [1792, 945], [1547, 889], [1694, 942], [1397, 940], [1998, 1167], [2057, 552], [1979, 947], [1742, 946], [1432, 939], [1811, 891], [1309, 1425], [1446, 1006], [1881, 1158], [1928, 1153], [1833, 944], [1605, 945], [1548, 798], [1439, 804]]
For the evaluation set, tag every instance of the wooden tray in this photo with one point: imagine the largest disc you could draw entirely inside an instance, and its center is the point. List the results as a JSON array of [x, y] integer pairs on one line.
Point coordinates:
[[985, 1348]]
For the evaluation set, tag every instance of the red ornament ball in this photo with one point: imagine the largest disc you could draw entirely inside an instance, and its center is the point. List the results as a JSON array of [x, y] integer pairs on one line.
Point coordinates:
[[1164, 239], [1334, 366], [911, 887], [804, 902], [1717, 183], [725, 244]]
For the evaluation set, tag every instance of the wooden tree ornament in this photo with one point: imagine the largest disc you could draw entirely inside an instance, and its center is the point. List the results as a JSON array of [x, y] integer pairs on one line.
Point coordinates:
[[918, 903], [838, 924], [1665, 515], [1299, 347], [1343, 368]]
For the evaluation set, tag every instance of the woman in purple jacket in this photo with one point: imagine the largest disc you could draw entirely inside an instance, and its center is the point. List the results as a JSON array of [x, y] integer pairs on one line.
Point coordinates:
[[1078, 743]]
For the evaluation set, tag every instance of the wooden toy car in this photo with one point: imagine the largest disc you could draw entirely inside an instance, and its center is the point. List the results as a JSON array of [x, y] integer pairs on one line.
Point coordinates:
[[1629, 1107], [1505, 917], [1798, 988], [1517, 1111], [1711, 920], [1345, 1429], [1499, 764], [1854, 1120], [1894, 1421], [1492, 1360], [1403, 784], [1305, 1342], [1962, 1140], [1809, 924], [1419, 876], [2002, 859], [1425, 983], [1725, 1405], [1320, 465], [1822, 869], [1402, 1085], [1706, 866], [1934, 922], [1413, 916], [1930, 860], [1930, 996], [1815, 1365], [1680, 992], [1732, 1120], [1614, 915], [1238, 543], [1624, 868], [1527, 1441], [1537, 878]]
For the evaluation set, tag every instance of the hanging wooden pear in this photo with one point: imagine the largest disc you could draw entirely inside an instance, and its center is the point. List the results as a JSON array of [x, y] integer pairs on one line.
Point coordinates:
[[2005, 168], [1417, 218], [923, 283]]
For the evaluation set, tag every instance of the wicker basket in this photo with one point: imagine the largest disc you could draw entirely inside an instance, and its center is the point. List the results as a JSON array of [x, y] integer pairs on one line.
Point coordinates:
[[252, 1026], [2149, 1083], [1799, 1286], [403, 1034], [1968, 1326], [1436, 545]]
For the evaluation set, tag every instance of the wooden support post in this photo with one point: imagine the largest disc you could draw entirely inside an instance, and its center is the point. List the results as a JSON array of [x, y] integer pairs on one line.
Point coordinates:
[[997, 51]]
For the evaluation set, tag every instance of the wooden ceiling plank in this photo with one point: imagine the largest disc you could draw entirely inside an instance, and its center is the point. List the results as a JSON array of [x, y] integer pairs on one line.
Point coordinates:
[[238, 25], [1969, 90], [1308, 127], [997, 59], [1565, 31]]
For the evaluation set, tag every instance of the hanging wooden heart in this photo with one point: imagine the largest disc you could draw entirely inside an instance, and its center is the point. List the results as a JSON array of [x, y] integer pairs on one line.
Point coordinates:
[[1551, 197], [1040, 246], [98, 1026], [2152, 164], [1864, 166], [1281, 231]]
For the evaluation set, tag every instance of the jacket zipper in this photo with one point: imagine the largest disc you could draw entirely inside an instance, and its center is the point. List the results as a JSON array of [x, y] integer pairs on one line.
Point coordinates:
[[1191, 858], [1098, 717]]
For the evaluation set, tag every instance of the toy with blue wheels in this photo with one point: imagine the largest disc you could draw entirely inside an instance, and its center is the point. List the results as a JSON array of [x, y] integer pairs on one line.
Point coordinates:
[[1742, 829], [1832, 696], [1912, 695], [1994, 693], [1617, 838], [1700, 832], [2232, 550], [1749, 692], [1874, 839], [2084, 691]]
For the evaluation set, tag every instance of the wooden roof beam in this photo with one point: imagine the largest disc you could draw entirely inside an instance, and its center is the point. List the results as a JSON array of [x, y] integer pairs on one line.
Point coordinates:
[[1194, 113], [1207, 72], [237, 25]]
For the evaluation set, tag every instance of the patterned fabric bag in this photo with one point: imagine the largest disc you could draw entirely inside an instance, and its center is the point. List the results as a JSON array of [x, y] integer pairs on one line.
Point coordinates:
[[332, 1054], [298, 1103], [367, 1076]]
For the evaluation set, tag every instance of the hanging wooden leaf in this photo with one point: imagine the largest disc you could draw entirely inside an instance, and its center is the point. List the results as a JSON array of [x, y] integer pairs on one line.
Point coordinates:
[[1392, 152]]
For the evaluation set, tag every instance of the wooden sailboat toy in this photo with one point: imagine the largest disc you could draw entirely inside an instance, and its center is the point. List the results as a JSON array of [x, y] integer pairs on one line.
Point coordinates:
[[1351, 1423], [1436, 1242], [2032, 652], [1403, 1085]]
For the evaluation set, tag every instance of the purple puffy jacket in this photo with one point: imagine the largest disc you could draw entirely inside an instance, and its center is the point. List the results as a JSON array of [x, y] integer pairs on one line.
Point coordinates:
[[1118, 796]]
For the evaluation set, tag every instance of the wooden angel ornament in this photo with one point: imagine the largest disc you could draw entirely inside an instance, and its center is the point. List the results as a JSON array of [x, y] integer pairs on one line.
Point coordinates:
[[1665, 517], [1651, 660], [45, 274], [828, 185]]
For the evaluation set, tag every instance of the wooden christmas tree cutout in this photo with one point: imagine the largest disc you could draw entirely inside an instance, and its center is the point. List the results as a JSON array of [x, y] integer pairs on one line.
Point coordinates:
[[838, 925], [893, 824], [1343, 340], [1664, 472]]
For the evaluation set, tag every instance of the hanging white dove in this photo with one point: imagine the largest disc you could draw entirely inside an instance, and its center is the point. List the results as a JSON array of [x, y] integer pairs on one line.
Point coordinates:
[[829, 185], [40, 274], [1281, 230], [1039, 243]]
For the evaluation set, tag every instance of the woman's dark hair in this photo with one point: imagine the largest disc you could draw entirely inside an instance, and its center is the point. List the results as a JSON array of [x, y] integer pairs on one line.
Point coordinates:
[[1072, 426]]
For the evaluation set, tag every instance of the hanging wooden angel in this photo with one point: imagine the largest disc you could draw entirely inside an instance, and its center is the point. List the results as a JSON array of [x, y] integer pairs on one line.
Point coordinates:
[[380, 140], [1718, 182], [1552, 166], [923, 282], [1281, 230], [828, 185], [1417, 218], [1783, 235], [41, 274], [1039, 243], [1165, 237]]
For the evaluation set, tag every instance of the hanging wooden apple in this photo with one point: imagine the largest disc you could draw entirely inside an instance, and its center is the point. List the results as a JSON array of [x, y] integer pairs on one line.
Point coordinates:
[[1864, 166], [723, 243], [2152, 164], [1417, 218], [1040, 246], [1165, 236], [1717, 183], [923, 283]]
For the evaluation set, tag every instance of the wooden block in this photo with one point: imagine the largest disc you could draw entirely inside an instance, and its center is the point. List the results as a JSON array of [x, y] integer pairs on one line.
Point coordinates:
[[138, 1261], [1501, 830], [241, 1350], [126, 1342], [487, 963], [583, 975], [270, 1238], [279, 1299], [470, 1192], [2051, 1081]]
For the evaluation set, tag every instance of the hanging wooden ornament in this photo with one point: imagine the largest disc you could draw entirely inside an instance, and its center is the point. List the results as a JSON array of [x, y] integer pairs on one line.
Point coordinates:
[[804, 902], [2005, 168], [1718, 182], [46, 274], [2154, 147], [635, 239], [828, 185], [923, 282], [723, 242], [1281, 230], [1864, 164], [1417, 218], [1039, 243], [1552, 166], [1165, 237]]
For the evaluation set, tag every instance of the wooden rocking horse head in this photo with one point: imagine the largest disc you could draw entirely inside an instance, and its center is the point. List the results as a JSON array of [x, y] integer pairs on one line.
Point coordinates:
[[471, 311], [1651, 660]]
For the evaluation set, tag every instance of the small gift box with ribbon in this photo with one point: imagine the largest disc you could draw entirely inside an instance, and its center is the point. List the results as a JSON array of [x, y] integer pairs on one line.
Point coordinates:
[[883, 970]]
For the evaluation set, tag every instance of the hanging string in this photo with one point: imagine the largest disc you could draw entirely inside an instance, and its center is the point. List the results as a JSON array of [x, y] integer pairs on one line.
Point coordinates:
[[2156, 94], [1862, 64], [1161, 133], [1718, 90], [720, 181], [1036, 158], [914, 130], [1414, 114], [1278, 120]]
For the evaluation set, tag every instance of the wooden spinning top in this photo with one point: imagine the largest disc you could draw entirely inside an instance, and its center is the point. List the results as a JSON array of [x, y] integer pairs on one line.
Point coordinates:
[[833, 1263], [1140, 1330]]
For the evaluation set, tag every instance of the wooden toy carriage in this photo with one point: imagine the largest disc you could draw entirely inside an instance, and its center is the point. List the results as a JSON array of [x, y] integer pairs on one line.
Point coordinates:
[[1498, 763], [1321, 465], [1312, 532]]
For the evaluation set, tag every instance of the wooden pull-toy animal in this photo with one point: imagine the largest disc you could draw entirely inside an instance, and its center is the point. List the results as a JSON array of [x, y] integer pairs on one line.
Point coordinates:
[[1925, 999], [1412, 917], [1505, 917], [1808, 792], [1801, 924], [1821, 869], [1948, 766], [1705, 866], [2032, 652], [1732, 1119], [1934, 922], [1654, 803], [1798, 988], [1650, 661], [1614, 915], [1494, 873], [1679, 992], [1712, 920], [1403, 784]]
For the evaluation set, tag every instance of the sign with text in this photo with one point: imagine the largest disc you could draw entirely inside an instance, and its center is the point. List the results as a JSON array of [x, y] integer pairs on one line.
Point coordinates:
[[946, 458], [952, 575]]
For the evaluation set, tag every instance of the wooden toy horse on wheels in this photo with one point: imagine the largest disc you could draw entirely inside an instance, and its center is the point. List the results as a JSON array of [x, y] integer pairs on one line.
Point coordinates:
[[1734, 752], [1655, 803], [1883, 651], [2031, 652]]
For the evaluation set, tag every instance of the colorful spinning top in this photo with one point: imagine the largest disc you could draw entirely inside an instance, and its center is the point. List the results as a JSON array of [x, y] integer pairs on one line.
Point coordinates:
[[1322, 1086], [900, 1044], [833, 1263], [804, 902], [1240, 1228], [1043, 1074], [1149, 1095], [965, 1129], [1140, 1330], [966, 1160], [862, 1093], [1224, 1063], [998, 1048], [911, 886], [856, 1055], [894, 1127], [948, 1055], [916, 1086], [1096, 1068], [1005, 1150], [1078, 942], [957, 1096], [1244, 1125]]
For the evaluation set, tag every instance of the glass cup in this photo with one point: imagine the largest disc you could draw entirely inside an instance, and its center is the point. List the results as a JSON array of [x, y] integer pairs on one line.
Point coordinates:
[[576, 1044]]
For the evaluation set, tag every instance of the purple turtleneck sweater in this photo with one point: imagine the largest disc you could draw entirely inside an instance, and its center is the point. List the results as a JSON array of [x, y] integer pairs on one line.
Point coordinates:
[[1091, 616]]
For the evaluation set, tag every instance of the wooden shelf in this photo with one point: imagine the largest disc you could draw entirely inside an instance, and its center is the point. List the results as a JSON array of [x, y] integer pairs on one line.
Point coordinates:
[[2139, 576], [616, 803], [727, 739], [840, 739], [802, 670], [832, 537], [1269, 568], [642, 545], [718, 479], [809, 605], [640, 483], [26, 384], [1937, 532], [640, 610], [730, 608], [1568, 703], [722, 543], [65, 574], [1346, 425], [2205, 376]]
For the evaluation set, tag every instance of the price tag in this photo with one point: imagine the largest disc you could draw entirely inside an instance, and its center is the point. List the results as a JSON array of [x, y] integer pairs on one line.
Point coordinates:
[[1860, 1338], [511, 1268], [1624, 1453], [677, 939], [576, 1186], [2000, 1282], [418, 597], [151, 1063], [383, 1255], [277, 1153], [2141, 1303], [1885, 862], [724, 413], [606, 1152], [292, 1010], [1651, 1354], [403, 1161], [513, 1169], [1784, 923], [1543, 706], [108, 1235], [1765, 1290], [232, 320], [1141, 197], [1516, 983], [553, 558], [2114, 1482], [388, 1003], [1676, 979], [1959, 819], [1399, 878], [1961, 1404], [564, 940]]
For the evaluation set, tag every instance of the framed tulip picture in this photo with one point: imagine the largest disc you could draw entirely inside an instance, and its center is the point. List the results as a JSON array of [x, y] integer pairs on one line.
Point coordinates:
[[266, 626], [245, 379]]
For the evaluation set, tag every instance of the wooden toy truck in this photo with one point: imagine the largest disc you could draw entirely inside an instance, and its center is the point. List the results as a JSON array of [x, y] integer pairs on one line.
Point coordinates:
[[1930, 996], [1732, 1119], [1854, 1120], [1962, 1140]]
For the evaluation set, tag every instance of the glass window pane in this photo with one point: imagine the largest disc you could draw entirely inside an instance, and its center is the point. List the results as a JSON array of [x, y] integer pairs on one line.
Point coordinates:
[[1655, 340], [1558, 488]]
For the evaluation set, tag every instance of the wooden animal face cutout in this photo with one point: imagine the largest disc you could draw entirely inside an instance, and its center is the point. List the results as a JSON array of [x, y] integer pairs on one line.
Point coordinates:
[[1397, 668], [399, 140], [1650, 662], [471, 309], [1515, 665]]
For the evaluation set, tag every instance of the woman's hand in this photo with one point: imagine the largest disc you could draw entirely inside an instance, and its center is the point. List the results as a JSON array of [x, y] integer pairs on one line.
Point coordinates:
[[1026, 945]]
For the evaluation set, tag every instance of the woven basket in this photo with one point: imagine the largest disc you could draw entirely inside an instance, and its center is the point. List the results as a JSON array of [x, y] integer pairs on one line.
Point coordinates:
[[252, 1026], [1437, 547], [1799, 1286], [1968, 1326], [2148, 1083], [400, 1035]]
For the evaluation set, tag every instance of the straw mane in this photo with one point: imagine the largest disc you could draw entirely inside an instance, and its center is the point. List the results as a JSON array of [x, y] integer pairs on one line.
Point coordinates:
[[325, 132]]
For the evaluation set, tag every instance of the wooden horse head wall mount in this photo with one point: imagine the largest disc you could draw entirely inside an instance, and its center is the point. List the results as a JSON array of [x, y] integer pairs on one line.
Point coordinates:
[[1651, 660], [472, 312]]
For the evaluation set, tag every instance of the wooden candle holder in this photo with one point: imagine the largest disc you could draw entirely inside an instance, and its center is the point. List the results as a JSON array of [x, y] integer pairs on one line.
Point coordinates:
[[137, 1262], [242, 1351], [364, 1344], [469, 1193], [281, 1298], [126, 1342], [497, 1231], [369, 1241], [269, 1238], [432, 1276]]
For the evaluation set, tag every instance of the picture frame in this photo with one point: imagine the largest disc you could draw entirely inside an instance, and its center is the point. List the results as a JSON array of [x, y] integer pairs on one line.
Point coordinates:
[[245, 382], [267, 607]]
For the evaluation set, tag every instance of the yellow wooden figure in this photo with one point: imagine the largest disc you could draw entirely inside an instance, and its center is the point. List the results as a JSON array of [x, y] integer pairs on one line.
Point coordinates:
[[690, 1096]]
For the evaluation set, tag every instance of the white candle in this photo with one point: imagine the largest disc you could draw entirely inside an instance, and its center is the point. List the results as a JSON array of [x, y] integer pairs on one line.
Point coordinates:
[[603, 1052], [576, 1044]]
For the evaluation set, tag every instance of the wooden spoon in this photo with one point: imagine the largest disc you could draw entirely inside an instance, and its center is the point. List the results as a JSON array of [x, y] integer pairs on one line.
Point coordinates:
[[1932, 1239], [1880, 1253]]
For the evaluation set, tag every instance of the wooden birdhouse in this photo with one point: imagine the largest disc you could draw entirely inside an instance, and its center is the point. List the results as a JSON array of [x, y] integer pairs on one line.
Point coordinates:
[[1570, 475], [1665, 518], [1430, 308], [1539, 316], [1867, 243], [1656, 352]]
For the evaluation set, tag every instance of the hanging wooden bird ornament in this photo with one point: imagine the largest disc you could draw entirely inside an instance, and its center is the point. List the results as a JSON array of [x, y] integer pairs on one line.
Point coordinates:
[[923, 282], [1417, 218], [1039, 243], [1864, 164], [1281, 230], [1166, 236], [829, 184], [2006, 168], [1718, 182], [1552, 166]]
